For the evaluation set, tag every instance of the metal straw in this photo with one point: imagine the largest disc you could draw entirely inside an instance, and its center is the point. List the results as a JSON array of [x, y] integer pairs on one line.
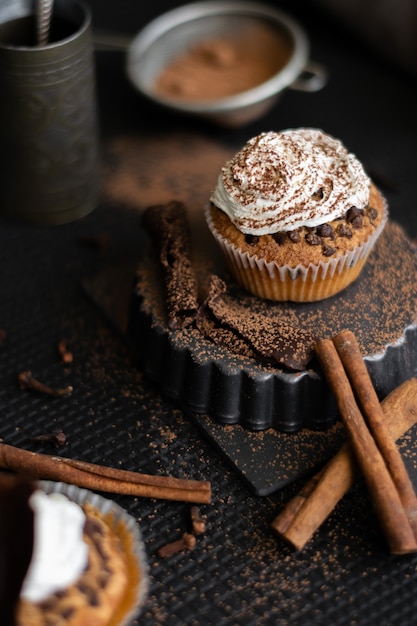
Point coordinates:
[[43, 20]]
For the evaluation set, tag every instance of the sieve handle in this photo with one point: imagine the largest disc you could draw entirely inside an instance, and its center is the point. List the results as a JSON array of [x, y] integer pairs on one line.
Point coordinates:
[[313, 78]]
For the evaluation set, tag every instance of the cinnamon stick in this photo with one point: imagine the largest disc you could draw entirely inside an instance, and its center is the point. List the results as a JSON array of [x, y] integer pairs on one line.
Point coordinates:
[[284, 523], [304, 514], [349, 352], [381, 486], [102, 478]]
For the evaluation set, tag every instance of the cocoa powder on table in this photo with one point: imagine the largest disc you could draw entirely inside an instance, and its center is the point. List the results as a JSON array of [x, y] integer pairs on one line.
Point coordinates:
[[140, 170]]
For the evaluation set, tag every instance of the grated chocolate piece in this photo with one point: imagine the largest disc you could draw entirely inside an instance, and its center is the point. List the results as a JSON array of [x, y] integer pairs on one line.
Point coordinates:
[[270, 340], [168, 226]]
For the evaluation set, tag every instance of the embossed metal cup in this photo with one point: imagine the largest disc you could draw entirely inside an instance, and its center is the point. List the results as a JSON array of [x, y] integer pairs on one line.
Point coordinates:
[[49, 138]]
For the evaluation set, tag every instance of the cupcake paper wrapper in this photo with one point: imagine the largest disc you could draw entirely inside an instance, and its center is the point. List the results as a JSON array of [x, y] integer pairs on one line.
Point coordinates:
[[271, 280], [118, 515]]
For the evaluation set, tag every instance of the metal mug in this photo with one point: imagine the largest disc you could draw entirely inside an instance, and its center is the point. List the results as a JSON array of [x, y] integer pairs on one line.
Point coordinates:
[[49, 136]]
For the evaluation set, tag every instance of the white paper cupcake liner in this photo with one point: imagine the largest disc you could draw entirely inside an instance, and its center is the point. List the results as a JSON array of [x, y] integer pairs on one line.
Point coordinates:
[[300, 283], [117, 517]]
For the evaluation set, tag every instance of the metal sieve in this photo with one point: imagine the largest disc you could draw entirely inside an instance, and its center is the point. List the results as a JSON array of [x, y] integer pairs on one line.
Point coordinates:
[[175, 32]]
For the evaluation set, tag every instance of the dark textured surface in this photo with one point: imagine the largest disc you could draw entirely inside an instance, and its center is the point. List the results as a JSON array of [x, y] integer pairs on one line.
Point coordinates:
[[239, 573]]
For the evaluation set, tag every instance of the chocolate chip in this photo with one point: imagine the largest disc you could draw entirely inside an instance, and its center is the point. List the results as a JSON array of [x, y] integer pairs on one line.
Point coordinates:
[[328, 250], [352, 213], [49, 604], [294, 235], [325, 230], [103, 579], [94, 598], [90, 593], [279, 238], [372, 214], [251, 240], [343, 230], [313, 239]]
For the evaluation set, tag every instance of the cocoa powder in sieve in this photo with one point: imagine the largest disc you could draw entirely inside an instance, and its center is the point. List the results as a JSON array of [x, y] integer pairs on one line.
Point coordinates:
[[224, 66]]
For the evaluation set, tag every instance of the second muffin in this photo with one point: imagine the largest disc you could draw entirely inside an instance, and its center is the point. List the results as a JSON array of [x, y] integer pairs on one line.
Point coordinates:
[[295, 215]]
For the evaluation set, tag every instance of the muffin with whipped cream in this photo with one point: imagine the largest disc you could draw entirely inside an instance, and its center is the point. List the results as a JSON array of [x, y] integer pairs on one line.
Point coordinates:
[[295, 215], [84, 565]]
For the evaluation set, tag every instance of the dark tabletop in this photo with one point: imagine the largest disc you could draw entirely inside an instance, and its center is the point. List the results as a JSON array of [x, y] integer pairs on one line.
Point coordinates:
[[239, 572]]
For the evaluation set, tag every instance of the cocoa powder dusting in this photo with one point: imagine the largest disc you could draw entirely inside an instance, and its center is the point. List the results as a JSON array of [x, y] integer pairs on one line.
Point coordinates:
[[224, 66]]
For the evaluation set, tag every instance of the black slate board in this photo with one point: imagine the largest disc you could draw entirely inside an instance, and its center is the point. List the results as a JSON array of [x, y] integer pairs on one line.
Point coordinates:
[[269, 460]]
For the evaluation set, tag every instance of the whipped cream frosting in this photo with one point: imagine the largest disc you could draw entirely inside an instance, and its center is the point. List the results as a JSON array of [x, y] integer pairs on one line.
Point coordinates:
[[281, 181], [59, 552]]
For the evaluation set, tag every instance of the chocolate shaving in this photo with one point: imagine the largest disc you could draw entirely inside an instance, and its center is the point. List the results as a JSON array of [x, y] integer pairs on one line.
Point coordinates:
[[168, 226], [269, 340]]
